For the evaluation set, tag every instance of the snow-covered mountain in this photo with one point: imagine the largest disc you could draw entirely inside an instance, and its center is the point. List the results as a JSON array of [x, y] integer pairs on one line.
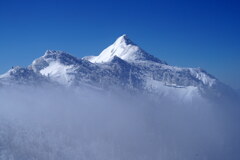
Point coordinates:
[[121, 65]]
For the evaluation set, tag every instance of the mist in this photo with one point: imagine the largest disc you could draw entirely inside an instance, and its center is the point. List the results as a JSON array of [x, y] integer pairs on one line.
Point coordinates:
[[78, 123]]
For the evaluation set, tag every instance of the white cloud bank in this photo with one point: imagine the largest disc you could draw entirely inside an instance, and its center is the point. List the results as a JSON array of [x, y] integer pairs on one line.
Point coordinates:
[[61, 124]]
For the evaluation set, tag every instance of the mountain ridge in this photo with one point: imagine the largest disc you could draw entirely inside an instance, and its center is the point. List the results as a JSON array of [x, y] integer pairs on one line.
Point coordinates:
[[123, 64]]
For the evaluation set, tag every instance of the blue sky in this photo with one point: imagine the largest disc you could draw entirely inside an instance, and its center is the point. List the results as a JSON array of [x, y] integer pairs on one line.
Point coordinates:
[[185, 33]]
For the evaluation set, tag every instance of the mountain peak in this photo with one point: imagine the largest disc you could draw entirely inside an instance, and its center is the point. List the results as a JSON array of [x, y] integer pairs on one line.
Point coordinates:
[[53, 52], [123, 40], [125, 49], [58, 55]]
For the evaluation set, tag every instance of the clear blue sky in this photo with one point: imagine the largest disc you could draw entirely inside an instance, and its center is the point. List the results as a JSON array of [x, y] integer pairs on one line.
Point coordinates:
[[196, 33]]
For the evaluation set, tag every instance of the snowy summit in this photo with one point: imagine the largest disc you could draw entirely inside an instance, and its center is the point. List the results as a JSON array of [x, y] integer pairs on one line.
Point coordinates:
[[125, 49]]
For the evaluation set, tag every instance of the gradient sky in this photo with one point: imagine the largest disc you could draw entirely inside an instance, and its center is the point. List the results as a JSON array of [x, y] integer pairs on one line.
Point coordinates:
[[187, 33]]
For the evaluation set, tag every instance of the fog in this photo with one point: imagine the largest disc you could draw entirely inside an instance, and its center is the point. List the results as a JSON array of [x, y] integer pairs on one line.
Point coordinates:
[[76, 123]]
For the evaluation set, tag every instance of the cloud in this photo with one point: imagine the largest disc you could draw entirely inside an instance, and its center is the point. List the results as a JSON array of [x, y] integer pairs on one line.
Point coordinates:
[[76, 123]]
